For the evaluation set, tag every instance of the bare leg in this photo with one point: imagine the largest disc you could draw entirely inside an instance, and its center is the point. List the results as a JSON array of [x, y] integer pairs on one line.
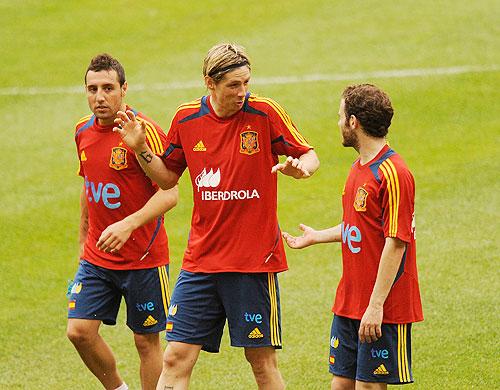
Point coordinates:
[[342, 383], [178, 362], [95, 353], [150, 352], [264, 364], [370, 386]]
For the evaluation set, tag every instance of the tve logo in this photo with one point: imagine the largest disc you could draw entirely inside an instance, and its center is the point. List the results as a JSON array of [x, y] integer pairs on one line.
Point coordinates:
[[351, 234], [148, 306], [249, 317], [105, 192], [380, 353]]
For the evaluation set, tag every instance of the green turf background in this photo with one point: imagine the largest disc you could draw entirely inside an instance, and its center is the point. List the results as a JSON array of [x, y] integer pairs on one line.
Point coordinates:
[[447, 127]]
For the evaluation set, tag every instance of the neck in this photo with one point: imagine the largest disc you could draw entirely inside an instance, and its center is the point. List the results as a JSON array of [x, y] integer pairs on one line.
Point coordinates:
[[219, 110], [369, 147]]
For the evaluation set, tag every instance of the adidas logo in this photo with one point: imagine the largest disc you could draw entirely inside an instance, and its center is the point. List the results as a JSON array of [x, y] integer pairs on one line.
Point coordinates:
[[150, 321], [381, 370], [199, 147], [255, 334]]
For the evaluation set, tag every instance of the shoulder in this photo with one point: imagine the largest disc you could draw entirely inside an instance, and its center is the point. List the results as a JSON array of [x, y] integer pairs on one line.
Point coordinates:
[[189, 108], [265, 105], [149, 122], [84, 123], [394, 170]]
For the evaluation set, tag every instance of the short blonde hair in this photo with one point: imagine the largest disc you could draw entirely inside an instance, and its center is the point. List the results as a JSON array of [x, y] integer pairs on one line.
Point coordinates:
[[223, 58]]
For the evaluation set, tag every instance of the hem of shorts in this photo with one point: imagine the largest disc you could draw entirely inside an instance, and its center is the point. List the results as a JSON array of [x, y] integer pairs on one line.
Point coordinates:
[[256, 346], [382, 381], [149, 331], [108, 322], [204, 347]]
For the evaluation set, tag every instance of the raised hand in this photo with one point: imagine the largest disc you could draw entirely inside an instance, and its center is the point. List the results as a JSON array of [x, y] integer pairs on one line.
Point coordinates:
[[132, 131], [307, 238], [291, 167]]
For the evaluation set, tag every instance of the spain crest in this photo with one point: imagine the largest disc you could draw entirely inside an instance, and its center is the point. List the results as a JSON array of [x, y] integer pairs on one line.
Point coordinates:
[[118, 158], [249, 142], [360, 200]]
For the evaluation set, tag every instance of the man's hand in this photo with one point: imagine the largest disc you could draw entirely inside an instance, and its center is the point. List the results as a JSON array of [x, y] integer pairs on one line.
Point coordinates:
[[115, 236], [302, 241], [292, 167], [370, 328], [132, 131]]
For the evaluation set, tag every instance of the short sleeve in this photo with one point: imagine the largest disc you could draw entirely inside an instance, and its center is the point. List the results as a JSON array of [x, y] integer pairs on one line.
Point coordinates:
[[398, 200], [285, 137], [173, 156]]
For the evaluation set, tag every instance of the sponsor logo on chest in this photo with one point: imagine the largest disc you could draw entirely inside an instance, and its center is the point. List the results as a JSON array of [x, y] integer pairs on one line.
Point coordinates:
[[206, 182]]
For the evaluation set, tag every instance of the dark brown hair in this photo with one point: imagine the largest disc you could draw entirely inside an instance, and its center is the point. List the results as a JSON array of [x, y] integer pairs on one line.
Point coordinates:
[[106, 62], [371, 106]]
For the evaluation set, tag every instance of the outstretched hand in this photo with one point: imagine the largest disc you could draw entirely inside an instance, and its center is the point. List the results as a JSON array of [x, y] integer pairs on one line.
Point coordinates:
[[306, 239], [291, 167], [132, 131]]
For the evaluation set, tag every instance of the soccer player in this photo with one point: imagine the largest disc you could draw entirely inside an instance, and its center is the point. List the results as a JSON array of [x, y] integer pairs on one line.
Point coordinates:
[[229, 141], [115, 187], [378, 296]]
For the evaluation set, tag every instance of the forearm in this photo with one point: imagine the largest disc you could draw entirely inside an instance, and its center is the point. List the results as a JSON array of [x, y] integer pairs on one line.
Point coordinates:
[[390, 261], [84, 222], [310, 161], [157, 205], [153, 166], [332, 234]]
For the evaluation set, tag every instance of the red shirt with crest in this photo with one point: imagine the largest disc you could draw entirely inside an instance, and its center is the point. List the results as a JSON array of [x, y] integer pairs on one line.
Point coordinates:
[[115, 187], [234, 225], [378, 202]]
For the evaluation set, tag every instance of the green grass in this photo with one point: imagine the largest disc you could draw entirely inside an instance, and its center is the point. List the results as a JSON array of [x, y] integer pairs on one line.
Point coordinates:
[[446, 128]]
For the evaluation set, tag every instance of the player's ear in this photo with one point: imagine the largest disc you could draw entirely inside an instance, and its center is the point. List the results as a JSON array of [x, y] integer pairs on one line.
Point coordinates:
[[124, 88], [353, 122], [209, 83]]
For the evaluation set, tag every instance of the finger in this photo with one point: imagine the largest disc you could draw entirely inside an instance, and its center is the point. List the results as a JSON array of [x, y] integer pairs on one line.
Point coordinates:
[[104, 237], [303, 227], [361, 334], [277, 167], [130, 115], [378, 331], [295, 163]]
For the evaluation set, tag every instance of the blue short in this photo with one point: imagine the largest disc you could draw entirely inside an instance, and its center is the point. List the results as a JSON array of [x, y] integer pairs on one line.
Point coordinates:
[[96, 294], [387, 360], [201, 303]]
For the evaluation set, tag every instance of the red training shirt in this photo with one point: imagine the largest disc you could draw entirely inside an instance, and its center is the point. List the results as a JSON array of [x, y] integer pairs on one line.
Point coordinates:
[[234, 225], [378, 202], [116, 187]]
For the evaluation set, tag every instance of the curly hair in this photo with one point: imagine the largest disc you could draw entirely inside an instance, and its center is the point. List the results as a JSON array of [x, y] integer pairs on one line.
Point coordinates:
[[223, 58], [105, 62], [371, 106]]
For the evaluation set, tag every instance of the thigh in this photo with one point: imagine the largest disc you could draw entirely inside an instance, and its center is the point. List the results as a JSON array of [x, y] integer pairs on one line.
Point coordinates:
[[196, 315], [387, 360], [147, 295], [343, 347], [252, 304], [93, 295]]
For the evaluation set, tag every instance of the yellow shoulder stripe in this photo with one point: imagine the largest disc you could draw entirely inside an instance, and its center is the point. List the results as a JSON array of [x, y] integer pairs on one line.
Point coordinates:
[[284, 117], [392, 179], [82, 120]]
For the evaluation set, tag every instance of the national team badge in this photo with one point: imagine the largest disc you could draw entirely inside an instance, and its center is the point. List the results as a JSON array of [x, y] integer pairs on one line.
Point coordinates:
[[360, 201], [249, 142], [118, 158]]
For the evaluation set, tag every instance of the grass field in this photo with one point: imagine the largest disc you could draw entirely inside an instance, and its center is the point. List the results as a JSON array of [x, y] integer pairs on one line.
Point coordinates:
[[446, 126]]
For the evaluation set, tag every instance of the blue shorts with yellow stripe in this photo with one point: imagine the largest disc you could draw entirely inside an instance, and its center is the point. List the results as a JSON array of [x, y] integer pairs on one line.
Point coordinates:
[[387, 360], [201, 303], [96, 293]]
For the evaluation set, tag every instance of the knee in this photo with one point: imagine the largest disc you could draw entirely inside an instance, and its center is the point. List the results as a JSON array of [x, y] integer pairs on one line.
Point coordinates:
[[178, 355], [263, 364], [79, 335], [147, 343]]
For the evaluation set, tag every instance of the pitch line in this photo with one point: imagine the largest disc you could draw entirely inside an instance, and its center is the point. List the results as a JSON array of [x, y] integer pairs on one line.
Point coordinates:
[[388, 74]]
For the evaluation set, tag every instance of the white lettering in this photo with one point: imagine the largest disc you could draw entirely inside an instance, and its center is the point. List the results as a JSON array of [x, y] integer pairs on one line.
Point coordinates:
[[230, 195]]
